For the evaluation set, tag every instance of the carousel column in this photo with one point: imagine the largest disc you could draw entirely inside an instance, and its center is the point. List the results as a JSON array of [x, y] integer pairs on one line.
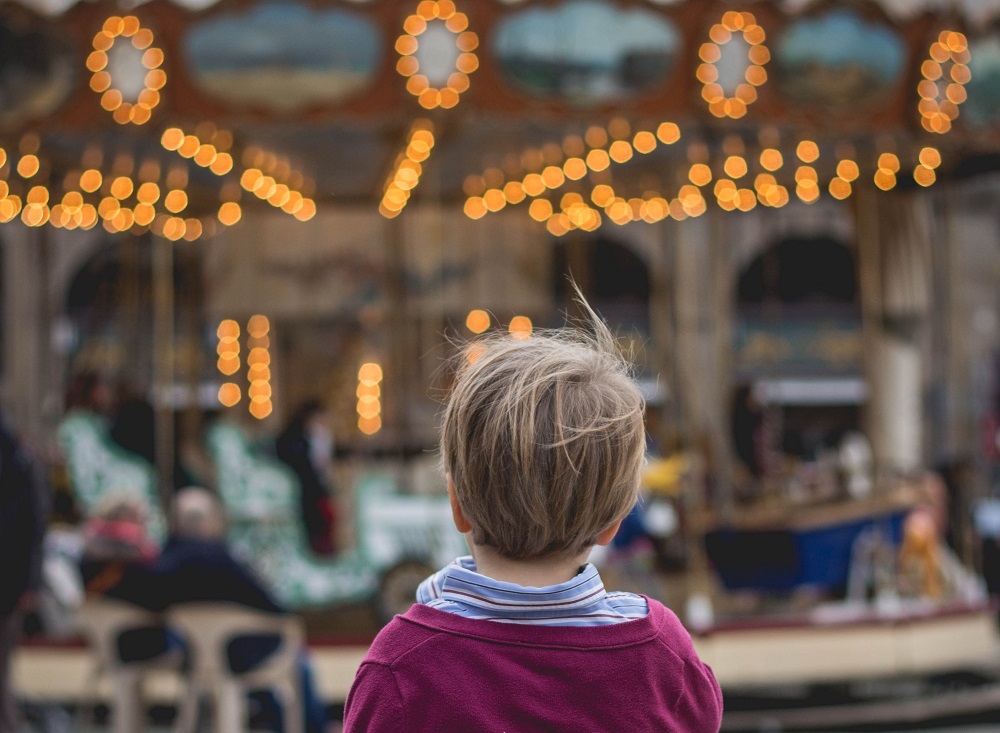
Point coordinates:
[[24, 345], [721, 304], [695, 381], [893, 245], [163, 364], [402, 335], [661, 329]]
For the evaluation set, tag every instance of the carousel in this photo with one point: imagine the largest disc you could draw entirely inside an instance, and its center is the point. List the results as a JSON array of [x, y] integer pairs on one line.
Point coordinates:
[[783, 208]]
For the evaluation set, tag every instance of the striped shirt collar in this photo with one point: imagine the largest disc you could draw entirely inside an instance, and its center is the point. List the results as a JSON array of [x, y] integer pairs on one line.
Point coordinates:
[[459, 588]]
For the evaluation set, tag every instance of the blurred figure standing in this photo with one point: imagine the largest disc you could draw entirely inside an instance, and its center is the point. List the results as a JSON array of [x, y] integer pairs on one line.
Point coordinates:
[[306, 445], [133, 427], [23, 516]]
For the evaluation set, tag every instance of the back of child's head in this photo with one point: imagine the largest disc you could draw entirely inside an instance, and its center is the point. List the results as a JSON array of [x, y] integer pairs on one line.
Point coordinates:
[[543, 439]]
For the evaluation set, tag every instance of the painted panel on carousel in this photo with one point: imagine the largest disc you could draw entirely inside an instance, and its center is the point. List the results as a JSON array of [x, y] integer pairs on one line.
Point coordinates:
[[838, 61], [983, 105], [586, 52], [284, 56], [37, 72]]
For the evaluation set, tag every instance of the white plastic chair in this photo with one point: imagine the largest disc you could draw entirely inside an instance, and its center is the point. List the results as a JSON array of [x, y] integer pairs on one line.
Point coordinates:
[[208, 628], [102, 621]]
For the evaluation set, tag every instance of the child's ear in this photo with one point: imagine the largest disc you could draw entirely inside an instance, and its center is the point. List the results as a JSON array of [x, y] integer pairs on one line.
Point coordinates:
[[457, 515], [605, 537]]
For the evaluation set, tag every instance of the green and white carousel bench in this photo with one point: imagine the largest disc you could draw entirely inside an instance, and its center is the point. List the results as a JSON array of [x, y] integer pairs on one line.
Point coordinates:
[[401, 538], [98, 467]]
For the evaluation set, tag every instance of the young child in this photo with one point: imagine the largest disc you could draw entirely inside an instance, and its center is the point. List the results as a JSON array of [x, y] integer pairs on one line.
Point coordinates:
[[542, 444]]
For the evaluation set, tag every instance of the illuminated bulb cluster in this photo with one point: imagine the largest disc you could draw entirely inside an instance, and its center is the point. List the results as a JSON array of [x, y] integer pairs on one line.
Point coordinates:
[[117, 200], [408, 168], [735, 106], [651, 207], [945, 74], [840, 186], [769, 191], [466, 42], [274, 180], [259, 366], [209, 148], [553, 165], [732, 197], [212, 154], [520, 327], [369, 394], [927, 163], [36, 207], [806, 177], [139, 110], [129, 204], [72, 212], [121, 199], [228, 364], [888, 166], [732, 188], [28, 166], [477, 321]]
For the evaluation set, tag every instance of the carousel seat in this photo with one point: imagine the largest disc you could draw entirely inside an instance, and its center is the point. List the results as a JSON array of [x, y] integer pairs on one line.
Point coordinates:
[[98, 467], [261, 498]]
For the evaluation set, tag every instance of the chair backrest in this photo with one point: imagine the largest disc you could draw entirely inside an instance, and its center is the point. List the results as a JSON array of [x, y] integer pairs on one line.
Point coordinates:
[[209, 627], [102, 620]]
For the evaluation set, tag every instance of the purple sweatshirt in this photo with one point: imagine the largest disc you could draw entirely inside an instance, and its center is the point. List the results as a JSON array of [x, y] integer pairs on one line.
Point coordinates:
[[430, 670]]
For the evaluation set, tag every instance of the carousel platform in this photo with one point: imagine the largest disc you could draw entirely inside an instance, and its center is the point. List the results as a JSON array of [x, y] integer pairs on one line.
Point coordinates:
[[834, 667]]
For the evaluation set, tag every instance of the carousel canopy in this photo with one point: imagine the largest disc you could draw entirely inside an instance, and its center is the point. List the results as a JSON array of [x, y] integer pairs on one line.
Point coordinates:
[[174, 116]]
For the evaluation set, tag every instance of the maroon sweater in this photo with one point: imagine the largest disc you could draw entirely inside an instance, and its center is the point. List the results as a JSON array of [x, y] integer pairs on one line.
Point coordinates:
[[429, 670]]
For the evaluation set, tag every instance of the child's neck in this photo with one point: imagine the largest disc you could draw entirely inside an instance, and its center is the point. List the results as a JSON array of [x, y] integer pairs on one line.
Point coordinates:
[[528, 573]]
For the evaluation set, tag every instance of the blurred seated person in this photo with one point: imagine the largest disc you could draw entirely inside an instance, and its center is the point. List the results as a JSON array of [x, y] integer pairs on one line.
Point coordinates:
[[116, 562], [197, 567], [306, 446]]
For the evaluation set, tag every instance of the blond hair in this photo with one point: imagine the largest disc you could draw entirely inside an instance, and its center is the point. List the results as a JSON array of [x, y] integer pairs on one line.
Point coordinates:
[[543, 439]]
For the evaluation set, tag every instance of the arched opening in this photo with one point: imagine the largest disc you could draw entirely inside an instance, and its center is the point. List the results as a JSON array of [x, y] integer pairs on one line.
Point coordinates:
[[797, 361], [612, 277]]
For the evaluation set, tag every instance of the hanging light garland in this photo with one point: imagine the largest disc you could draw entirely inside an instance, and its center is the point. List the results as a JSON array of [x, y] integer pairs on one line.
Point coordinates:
[[732, 189], [273, 179], [408, 168], [578, 156]]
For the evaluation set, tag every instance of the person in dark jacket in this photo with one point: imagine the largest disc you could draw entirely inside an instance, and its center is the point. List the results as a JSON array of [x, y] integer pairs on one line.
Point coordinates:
[[306, 446], [195, 566], [23, 516]]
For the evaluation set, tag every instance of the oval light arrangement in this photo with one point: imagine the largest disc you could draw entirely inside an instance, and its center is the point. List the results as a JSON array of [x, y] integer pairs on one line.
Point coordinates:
[[945, 73], [719, 102], [435, 16], [117, 30]]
